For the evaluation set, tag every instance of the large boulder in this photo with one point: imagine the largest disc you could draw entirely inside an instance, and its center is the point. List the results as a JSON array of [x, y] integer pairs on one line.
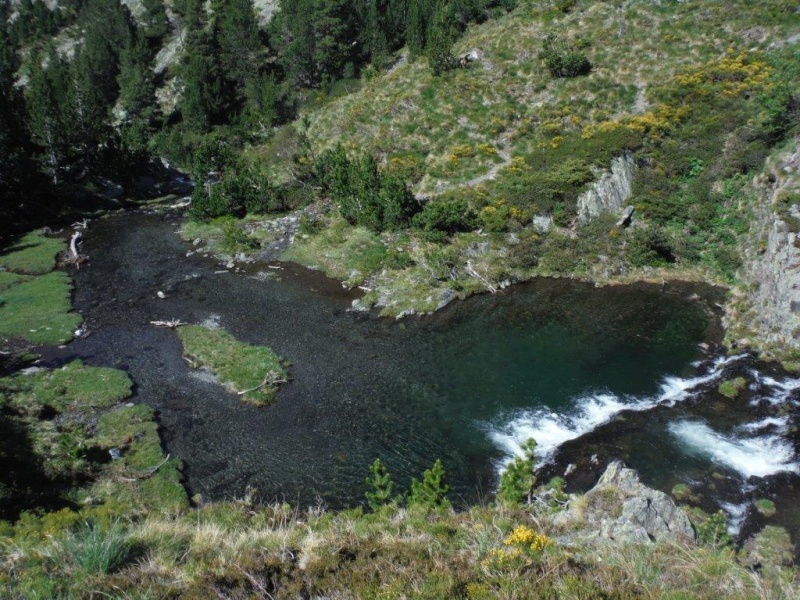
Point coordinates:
[[621, 508]]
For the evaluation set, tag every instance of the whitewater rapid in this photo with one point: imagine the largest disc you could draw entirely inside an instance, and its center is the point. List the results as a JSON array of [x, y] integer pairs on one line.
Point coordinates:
[[754, 449]]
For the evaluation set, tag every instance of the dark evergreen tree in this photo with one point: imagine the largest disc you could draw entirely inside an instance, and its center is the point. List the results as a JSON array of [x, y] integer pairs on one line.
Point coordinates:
[[205, 96], [316, 40], [107, 28], [237, 34], [137, 95], [417, 20], [154, 21], [14, 149], [440, 41], [49, 111]]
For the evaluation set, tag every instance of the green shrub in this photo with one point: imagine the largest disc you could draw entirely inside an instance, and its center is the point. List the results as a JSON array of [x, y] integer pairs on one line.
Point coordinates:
[[563, 60], [649, 247], [441, 218], [713, 530], [766, 507], [309, 225], [732, 387], [234, 238], [208, 202], [525, 254], [365, 196]]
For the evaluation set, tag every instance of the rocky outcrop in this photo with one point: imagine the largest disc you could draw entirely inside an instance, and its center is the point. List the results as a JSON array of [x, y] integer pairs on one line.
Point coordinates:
[[765, 310], [610, 191], [622, 508]]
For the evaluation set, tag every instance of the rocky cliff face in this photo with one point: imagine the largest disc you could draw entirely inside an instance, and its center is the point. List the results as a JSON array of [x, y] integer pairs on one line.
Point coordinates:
[[765, 310], [610, 191]]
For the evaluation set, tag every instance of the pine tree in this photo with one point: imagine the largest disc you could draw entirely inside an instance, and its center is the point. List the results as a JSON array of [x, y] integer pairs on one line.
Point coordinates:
[[154, 21], [380, 486], [316, 40], [440, 41], [432, 491], [137, 95], [13, 138], [49, 114], [236, 32], [518, 480], [205, 96], [417, 26]]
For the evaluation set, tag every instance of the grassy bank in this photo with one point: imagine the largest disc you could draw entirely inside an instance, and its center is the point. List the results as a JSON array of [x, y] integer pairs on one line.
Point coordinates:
[[35, 306], [252, 372], [69, 440]]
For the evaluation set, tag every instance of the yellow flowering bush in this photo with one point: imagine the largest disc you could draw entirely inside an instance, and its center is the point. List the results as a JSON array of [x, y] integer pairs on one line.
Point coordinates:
[[522, 546], [731, 75], [461, 151], [524, 537]]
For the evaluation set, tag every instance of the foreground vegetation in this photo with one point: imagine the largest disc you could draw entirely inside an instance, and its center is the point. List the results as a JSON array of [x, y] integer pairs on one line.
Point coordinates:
[[239, 550], [428, 182]]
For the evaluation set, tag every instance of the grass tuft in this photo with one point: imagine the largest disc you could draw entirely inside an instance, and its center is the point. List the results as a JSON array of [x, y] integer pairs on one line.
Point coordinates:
[[99, 548]]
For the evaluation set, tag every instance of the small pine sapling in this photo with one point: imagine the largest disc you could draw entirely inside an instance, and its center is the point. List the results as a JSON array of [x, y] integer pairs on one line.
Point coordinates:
[[432, 490], [380, 486], [517, 481]]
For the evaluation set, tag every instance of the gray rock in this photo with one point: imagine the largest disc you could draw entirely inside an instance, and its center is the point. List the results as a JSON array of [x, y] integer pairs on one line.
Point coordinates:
[[477, 249], [647, 514], [31, 370], [610, 191], [626, 217], [621, 508], [358, 306], [445, 298], [767, 306], [542, 223]]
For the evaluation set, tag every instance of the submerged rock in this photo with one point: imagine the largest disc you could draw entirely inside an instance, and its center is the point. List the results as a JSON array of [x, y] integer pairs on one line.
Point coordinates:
[[621, 508]]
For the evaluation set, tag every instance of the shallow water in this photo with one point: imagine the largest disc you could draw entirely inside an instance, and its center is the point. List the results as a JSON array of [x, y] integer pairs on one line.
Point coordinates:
[[610, 371]]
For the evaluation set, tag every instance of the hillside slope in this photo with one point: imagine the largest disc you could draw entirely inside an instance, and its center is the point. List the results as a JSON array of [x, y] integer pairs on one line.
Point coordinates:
[[509, 158]]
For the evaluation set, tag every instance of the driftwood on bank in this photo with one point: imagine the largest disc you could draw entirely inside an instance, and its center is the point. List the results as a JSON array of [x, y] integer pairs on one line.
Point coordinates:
[[471, 271], [148, 472], [170, 324], [74, 257], [271, 378]]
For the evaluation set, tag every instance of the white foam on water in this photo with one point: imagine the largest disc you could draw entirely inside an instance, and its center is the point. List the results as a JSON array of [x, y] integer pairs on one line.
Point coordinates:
[[781, 424], [780, 390], [551, 429], [736, 516], [749, 456]]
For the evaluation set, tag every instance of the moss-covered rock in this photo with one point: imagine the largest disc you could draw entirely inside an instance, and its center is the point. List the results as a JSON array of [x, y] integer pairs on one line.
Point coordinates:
[[732, 387]]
